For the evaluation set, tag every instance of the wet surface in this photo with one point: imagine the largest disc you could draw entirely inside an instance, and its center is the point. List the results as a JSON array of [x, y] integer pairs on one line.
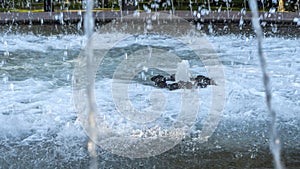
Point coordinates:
[[38, 119]]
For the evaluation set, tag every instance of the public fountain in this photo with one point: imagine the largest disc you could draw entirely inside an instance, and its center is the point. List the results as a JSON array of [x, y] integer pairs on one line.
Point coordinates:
[[41, 127]]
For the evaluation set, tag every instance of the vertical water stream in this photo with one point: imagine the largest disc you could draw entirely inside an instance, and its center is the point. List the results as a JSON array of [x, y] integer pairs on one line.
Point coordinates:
[[274, 138], [88, 29]]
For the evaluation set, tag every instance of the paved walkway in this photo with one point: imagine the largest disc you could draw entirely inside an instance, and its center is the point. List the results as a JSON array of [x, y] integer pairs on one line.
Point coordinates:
[[103, 16]]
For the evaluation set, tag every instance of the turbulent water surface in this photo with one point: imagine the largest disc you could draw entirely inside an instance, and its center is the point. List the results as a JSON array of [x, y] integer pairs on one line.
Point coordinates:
[[39, 126]]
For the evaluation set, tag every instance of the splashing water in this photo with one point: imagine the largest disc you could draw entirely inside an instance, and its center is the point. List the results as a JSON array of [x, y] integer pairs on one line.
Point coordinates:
[[41, 106], [30, 101], [274, 138], [182, 73]]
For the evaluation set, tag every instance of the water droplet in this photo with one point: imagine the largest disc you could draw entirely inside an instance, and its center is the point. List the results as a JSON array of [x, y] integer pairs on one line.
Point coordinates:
[[238, 155], [145, 7], [243, 11], [241, 23], [5, 79], [145, 68], [218, 147], [182, 72], [225, 28], [296, 92], [136, 13], [61, 18], [220, 9], [195, 13], [6, 53], [11, 86], [199, 26], [272, 10], [57, 118], [2, 63], [154, 6], [210, 29], [263, 24], [149, 25], [203, 12], [143, 76], [274, 28], [79, 25]]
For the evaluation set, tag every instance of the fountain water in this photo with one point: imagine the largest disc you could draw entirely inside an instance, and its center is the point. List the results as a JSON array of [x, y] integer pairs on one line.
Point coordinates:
[[89, 29], [274, 138], [182, 72], [39, 123]]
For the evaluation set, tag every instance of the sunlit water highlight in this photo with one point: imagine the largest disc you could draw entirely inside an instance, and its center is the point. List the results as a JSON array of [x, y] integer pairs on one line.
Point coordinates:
[[38, 121]]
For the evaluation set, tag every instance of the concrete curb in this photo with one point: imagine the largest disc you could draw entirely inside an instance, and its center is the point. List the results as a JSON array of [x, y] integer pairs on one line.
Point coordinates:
[[104, 16]]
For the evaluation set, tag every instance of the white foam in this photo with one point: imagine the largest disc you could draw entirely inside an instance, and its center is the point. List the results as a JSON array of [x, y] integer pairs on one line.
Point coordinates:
[[36, 105], [13, 43]]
